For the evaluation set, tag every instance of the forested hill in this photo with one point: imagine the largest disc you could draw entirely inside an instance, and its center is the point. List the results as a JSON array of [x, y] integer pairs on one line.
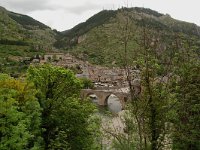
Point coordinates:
[[99, 39], [165, 21], [18, 27], [69, 38], [96, 20], [26, 21], [22, 36]]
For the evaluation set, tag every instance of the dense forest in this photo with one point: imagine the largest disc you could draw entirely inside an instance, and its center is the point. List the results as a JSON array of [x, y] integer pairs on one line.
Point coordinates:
[[44, 111]]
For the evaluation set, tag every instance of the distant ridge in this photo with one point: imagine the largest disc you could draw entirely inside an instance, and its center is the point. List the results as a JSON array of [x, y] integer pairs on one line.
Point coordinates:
[[152, 18], [97, 39]]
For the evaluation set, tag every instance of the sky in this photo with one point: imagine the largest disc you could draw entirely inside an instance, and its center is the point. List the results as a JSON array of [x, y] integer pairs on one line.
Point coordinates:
[[65, 14]]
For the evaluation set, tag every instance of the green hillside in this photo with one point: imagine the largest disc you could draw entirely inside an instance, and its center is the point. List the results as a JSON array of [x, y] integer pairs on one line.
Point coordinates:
[[21, 37], [100, 39], [26, 21], [96, 20], [69, 38]]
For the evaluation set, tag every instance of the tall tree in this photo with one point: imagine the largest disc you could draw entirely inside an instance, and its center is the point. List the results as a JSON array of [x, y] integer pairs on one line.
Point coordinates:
[[147, 117], [186, 118], [64, 117]]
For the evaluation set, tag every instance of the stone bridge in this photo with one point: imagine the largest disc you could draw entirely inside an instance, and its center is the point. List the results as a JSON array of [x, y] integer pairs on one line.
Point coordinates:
[[103, 96]]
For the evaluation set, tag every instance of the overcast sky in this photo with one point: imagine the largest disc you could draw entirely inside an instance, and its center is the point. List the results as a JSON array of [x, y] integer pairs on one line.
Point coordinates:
[[65, 14]]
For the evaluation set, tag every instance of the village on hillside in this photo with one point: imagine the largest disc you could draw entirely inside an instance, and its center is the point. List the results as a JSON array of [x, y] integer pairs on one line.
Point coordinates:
[[101, 76]]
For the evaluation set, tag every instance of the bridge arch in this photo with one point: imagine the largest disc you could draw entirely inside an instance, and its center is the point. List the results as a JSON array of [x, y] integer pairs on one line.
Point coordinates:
[[113, 102], [90, 93], [94, 100], [103, 96]]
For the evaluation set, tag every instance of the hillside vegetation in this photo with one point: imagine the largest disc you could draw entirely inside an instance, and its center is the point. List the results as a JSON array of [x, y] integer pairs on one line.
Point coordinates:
[[21, 36], [43, 109], [100, 38]]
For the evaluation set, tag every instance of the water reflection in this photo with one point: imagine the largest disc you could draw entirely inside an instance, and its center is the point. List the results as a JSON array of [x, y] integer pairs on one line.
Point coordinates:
[[114, 105]]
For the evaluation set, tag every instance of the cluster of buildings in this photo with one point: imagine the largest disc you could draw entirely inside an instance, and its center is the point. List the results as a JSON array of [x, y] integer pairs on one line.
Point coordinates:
[[98, 74]]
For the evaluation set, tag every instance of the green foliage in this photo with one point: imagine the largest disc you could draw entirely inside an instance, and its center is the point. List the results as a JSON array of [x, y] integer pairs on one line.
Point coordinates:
[[56, 119], [11, 42], [153, 104], [87, 83], [151, 23], [19, 115], [12, 56], [167, 110], [124, 144], [75, 123], [26, 21], [104, 44], [21, 36], [69, 38], [187, 110], [96, 20], [54, 82], [65, 117]]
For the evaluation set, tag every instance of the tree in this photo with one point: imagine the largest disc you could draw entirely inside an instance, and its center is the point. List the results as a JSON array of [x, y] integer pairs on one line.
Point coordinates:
[[186, 114], [147, 112], [87, 83], [65, 117], [167, 109], [19, 115]]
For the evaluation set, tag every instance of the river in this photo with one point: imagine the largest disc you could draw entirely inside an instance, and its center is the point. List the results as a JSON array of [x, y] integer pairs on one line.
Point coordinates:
[[114, 105]]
